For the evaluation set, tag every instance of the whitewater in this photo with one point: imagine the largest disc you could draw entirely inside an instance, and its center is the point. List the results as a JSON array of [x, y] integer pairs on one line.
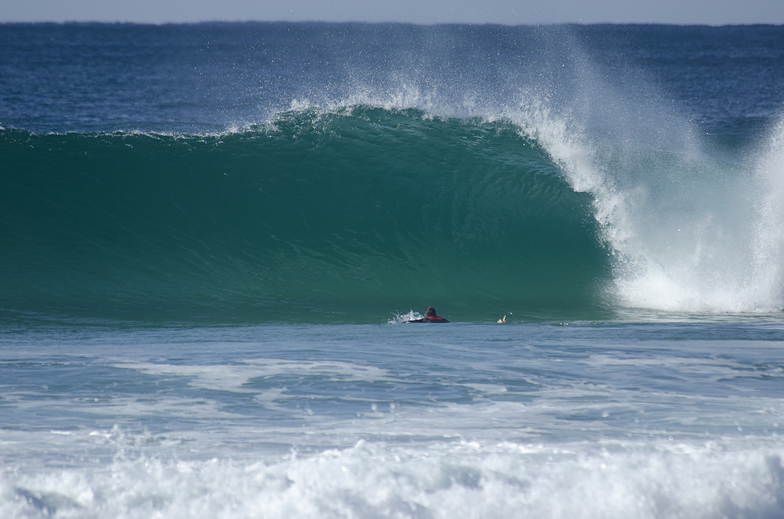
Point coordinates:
[[211, 237]]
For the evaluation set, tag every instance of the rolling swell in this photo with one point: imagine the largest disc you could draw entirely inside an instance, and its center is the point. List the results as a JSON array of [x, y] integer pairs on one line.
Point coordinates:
[[342, 215]]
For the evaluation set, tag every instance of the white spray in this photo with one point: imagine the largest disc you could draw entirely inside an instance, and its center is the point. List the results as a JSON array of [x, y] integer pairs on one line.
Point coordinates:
[[690, 231]]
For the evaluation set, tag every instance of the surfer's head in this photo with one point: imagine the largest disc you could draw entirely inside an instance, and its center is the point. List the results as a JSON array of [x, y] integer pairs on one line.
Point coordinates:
[[430, 312]]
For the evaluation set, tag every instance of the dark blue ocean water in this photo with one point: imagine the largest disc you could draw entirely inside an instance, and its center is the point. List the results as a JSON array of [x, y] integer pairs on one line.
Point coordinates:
[[211, 236]]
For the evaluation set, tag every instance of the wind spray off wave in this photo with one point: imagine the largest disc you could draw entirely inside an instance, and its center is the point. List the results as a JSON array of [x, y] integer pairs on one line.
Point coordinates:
[[692, 226], [691, 229]]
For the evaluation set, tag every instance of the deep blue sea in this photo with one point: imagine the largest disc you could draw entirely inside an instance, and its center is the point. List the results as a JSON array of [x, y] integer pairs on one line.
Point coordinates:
[[212, 236]]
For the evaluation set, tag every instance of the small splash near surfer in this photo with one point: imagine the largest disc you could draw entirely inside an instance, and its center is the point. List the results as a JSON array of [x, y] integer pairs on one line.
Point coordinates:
[[414, 317]]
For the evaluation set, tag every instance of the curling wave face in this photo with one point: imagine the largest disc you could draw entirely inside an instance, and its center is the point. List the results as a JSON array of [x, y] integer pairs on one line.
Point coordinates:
[[545, 171], [337, 211]]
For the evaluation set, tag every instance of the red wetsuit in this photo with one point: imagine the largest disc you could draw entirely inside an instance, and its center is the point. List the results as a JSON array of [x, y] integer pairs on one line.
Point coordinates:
[[431, 319]]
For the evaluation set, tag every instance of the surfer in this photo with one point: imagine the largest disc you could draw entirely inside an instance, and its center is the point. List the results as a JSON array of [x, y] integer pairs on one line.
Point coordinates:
[[430, 317]]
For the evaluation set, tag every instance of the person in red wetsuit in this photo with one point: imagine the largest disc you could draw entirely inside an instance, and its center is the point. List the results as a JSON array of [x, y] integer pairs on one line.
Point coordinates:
[[430, 317]]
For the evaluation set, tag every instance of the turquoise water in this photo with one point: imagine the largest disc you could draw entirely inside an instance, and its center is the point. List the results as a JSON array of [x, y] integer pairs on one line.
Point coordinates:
[[352, 213], [211, 236]]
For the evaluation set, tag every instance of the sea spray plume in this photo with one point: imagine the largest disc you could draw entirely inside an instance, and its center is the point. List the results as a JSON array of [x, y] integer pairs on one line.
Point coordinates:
[[766, 285], [466, 71], [681, 223]]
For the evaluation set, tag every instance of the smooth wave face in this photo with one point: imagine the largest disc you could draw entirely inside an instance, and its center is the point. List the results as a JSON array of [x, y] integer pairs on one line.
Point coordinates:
[[353, 212]]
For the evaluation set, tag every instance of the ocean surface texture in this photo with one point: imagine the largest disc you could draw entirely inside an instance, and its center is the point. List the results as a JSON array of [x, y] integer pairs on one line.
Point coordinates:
[[212, 236]]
